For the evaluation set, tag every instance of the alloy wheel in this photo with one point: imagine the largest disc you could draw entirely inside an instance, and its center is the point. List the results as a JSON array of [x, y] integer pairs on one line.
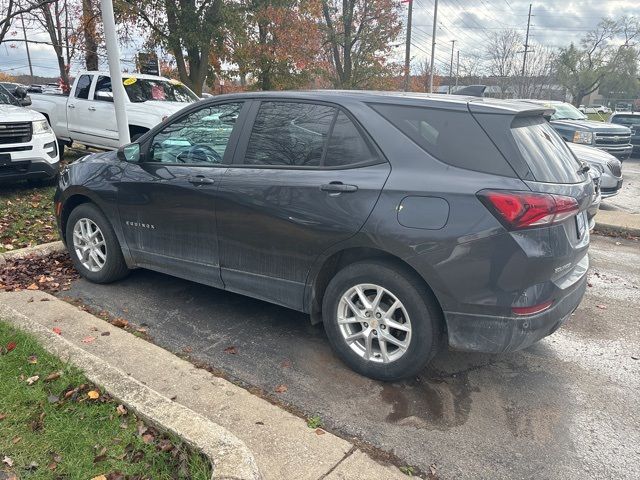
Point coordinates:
[[374, 323], [89, 244]]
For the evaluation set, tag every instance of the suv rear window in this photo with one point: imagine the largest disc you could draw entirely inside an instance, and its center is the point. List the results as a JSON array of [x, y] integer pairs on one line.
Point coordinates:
[[627, 120], [453, 137], [545, 152]]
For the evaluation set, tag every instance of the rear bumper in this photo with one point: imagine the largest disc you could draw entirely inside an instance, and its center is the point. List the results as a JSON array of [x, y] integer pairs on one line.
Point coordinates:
[[493, 334]]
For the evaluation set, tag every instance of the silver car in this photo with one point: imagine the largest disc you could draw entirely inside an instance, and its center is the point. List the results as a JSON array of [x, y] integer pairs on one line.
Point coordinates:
[[608, 165]]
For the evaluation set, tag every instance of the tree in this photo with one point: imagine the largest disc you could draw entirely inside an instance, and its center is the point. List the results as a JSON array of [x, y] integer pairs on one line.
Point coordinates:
[[502, 56], [50, 16], [539, 72], [277, 42], [13, 9], [358, 39], [602, 53], [189, 29]]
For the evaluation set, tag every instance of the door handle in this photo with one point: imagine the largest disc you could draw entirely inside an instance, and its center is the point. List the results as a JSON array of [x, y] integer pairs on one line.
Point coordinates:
[[92, 109], [71, 105], [200, 180], [338, 187]]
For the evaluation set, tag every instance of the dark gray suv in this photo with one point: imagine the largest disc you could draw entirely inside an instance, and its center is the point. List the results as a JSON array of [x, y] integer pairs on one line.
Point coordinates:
[[396, 220]]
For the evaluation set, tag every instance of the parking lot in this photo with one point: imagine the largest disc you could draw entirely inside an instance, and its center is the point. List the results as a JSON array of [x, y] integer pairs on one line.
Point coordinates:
[[564, 408], [628, 199]]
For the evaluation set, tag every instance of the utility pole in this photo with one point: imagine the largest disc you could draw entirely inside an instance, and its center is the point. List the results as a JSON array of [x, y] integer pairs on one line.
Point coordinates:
[[407, 52], [526, 43], [26, 45], [433, 45], [113, 54], [457, 69], [453, 44]]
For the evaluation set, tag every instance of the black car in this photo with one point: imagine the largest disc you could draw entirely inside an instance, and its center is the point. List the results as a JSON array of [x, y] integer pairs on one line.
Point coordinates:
[[396, 220]]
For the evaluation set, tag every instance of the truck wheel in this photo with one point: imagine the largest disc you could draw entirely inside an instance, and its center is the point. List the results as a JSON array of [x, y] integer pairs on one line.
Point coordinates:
[[93, 245], [381, 320]]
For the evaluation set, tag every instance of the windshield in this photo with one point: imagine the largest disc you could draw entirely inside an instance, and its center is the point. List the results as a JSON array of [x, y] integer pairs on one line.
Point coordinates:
[[626, 120], [142, 90], [6, 98], [566, 111]]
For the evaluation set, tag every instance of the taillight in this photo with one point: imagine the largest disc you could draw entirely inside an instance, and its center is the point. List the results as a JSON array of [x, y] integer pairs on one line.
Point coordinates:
[[517, 210]]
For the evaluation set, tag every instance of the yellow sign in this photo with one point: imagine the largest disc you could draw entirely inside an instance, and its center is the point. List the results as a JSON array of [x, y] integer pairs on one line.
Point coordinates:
[[129, 81]]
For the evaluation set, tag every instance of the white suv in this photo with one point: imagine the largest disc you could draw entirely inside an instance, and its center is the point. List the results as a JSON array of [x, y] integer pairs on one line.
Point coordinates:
[[28, 147]]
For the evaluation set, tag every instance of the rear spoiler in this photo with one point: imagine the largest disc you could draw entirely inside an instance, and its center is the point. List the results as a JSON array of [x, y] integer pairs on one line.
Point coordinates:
[[471, 90]]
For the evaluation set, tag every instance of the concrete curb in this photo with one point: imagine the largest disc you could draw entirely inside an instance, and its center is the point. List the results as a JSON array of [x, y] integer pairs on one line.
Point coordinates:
[[38, 251], [615, 229], [230, 457], [615, 222]]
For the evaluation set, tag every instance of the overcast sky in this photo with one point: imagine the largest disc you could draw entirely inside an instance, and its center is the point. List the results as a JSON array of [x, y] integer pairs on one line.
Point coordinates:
[[554, 23]]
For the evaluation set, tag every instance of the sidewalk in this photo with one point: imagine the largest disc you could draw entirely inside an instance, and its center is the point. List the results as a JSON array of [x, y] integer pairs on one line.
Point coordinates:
[[281, 443], [616, 222]]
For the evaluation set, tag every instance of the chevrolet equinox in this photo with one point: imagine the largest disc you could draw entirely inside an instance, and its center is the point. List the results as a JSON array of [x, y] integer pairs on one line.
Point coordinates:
[[399, 221]]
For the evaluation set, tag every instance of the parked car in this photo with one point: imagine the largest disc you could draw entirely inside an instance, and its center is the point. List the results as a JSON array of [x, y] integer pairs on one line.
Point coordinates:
[[624, 107], [574, 127], [631, 120], [87, 115], [610, 167], [28, 149], [365, 210], [601, 109]]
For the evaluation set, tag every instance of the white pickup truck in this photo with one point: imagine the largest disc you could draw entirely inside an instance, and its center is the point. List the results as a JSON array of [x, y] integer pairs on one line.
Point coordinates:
[[28, 149], [87, 115]]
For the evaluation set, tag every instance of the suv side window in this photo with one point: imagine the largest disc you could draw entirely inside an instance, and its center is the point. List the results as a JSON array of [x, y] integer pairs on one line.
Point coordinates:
[[289, 134], [199, 138], [346, 145], [83, 86]]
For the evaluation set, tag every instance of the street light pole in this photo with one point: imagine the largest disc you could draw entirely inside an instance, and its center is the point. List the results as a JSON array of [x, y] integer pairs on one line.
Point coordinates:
[[433, 45], [453, 44], [407, 52], [113, 54]]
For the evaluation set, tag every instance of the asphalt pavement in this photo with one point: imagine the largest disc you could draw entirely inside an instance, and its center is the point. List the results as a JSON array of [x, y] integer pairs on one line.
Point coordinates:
[[627, 198], [566, 407]]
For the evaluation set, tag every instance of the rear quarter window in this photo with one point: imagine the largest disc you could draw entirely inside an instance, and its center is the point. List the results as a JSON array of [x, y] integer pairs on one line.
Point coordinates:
[[545, 152], [453, 137]]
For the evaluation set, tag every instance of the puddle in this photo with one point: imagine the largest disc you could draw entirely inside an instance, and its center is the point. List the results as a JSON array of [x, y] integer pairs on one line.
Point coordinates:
[[429, 403]]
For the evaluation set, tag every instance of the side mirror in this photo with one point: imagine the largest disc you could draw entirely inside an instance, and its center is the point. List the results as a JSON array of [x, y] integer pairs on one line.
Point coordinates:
[[129, 153], [20, 93], [104, 96], [26, 101]]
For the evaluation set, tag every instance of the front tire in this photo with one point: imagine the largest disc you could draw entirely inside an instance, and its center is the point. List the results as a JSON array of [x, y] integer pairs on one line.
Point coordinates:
[[93, 245], [381, 320]]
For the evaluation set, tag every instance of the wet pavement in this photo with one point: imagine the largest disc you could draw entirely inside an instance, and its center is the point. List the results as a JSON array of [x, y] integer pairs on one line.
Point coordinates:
[[627, 198], [566, 407]]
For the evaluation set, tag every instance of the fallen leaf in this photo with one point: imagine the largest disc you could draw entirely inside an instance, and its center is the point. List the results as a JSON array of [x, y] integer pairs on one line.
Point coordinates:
[[141, 330], [93, 395], [44, 299], [281, 389], [53, 398], [105, 334], [231, 350], [33, 286], [2, 416], [53, 376], [286, 364], [57, 330], [432, 468], [52, 466], [99, 477], [33, 466], [88, 339], [320, 431], [11, 346], [8, 461], [16, 439], [119, 322], [32, 359], [99, 458], [147, 438], [32, 380], [602, 307], [121, 410], [187, 349]]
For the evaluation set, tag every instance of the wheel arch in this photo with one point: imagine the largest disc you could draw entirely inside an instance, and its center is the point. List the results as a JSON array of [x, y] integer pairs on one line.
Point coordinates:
[[322, 275]]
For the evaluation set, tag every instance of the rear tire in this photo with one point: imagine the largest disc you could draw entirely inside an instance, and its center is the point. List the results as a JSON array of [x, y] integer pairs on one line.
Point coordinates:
[[406, 319], [93, 245]]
